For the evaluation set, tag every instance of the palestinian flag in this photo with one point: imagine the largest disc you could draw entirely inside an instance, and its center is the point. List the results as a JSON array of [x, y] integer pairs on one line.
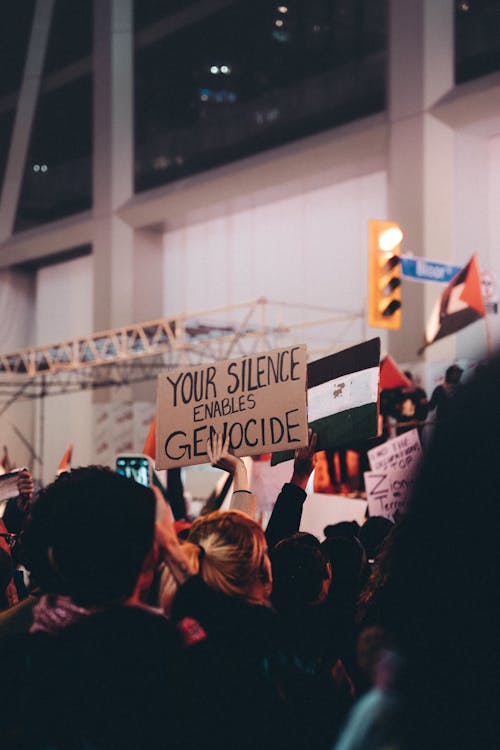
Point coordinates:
[[342, 397], [459, 305]]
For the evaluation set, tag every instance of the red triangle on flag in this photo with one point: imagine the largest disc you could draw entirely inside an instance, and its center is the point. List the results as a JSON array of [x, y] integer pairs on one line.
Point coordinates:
[[391, 376], [471, 293]]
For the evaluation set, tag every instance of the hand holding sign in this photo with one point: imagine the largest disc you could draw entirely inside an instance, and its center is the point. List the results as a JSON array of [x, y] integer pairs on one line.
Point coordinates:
[[221, 458], [304, 462]]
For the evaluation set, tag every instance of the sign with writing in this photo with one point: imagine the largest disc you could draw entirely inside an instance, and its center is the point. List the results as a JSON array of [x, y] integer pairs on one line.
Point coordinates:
[[402, 453], [388, 492], [258, 401], [421, 269]]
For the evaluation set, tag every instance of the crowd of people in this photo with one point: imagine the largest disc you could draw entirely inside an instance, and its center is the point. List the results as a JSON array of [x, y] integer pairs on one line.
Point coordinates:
[[125, 635], [407, 406]]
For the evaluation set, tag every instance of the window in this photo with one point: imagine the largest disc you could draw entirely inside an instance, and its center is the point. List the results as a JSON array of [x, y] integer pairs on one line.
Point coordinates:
[[58, 175], [222, 85], [477, 38]]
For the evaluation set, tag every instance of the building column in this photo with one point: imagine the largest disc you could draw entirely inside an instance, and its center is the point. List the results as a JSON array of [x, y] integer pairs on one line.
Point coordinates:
[[25, 114], [113, 242], [421, 156]]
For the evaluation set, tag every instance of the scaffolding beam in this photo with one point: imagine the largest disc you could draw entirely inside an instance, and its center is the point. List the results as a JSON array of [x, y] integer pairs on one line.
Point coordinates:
[[139, 352]]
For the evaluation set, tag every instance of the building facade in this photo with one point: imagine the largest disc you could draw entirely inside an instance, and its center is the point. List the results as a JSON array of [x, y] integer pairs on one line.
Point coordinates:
[[160, 158]]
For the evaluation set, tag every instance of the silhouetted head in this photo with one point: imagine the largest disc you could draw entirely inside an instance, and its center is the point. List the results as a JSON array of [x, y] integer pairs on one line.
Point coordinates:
[[301, 575], [373, 533], [88, 535], [346, 529], [453, 374], [348, 560]]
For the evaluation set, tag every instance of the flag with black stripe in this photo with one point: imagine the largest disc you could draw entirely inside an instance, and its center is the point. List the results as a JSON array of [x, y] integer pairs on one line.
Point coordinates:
[[342, 397]]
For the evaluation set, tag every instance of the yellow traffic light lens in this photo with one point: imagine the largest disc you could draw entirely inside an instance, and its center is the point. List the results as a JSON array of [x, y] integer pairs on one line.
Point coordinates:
[[389, 239]]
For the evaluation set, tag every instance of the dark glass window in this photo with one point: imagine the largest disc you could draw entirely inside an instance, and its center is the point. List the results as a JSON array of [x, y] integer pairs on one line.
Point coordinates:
[[252, 76], [70, 33], [477, 38], [147, 12], [6, 123], [58, 175], [58, 178], [15, 27]]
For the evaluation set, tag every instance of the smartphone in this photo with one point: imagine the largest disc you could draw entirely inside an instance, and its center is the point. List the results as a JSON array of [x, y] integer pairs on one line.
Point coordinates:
[[136, 466]]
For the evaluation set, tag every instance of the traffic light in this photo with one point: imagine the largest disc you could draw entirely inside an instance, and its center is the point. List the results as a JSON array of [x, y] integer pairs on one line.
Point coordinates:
[[384, 274]]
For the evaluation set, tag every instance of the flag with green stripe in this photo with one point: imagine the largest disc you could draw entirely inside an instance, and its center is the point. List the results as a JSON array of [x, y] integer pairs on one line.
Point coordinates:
[[342, 397]]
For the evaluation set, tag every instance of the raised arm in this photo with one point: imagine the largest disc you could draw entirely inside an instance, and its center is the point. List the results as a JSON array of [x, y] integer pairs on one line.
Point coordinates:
[[220, 457], [17, 508], [287, 512], [168, 543]]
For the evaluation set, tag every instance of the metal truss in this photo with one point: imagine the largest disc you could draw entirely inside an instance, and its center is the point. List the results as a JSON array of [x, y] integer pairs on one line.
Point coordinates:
[[138, 353]]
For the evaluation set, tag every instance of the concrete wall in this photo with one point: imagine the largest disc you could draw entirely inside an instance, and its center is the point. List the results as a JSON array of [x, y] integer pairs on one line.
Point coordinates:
[[64, 310], [308, 248]]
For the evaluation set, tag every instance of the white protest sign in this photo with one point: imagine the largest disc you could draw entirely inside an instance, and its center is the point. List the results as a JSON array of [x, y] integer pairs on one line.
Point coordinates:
[[402, 453], [388, 492], [258, 401], [394, 466], [321, 510]]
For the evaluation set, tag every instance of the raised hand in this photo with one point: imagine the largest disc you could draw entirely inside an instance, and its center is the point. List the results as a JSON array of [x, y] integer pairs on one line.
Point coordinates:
[[304, 462], [221, 458], [25, 488], [168, 542]]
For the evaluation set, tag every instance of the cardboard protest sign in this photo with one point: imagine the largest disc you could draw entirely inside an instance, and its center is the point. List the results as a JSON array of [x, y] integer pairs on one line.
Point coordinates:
[[259, 401], [389, 492], [403, 453]]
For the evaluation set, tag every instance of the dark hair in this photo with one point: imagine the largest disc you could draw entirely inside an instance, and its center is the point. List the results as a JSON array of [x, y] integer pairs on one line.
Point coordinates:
[[346, 529], [373, 533], [347, 557], [99, 527], [452, 374], [438, 578], [299, 569], [6, 571]]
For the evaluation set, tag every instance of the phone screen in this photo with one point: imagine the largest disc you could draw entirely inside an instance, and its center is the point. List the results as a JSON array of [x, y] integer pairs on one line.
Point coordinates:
[[134, 467]]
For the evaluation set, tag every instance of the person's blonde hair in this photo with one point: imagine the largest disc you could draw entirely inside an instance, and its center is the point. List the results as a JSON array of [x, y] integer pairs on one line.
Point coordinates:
[[233, 554], [168, 585]]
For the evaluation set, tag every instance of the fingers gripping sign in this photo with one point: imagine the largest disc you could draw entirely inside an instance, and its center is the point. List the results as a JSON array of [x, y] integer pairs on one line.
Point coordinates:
[[221, 458]]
